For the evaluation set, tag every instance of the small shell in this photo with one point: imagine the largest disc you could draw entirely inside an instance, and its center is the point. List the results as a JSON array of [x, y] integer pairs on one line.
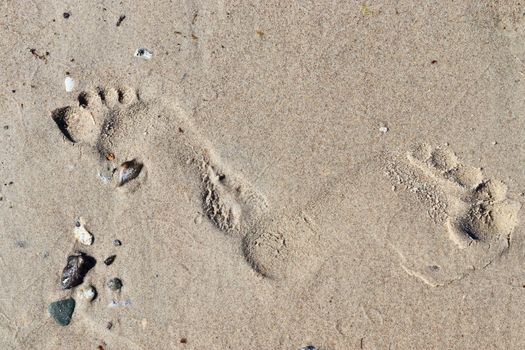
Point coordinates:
[[144, 53], [69, 83], [128, 171], [81, 234], [88, 294]]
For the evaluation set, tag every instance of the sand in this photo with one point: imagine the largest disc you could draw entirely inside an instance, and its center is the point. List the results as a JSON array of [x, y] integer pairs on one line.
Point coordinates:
[[341, 174]]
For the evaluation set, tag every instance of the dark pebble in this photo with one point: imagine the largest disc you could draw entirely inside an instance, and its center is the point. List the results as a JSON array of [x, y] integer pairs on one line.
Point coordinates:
[[109, 260], [66, 15], [115, 284], [76, 268], [117, 243], [62, 310]]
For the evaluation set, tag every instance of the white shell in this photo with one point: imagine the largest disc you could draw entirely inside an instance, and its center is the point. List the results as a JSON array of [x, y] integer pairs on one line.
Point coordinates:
[[69, 83], [81, 234], [88, 293], [143, 53]]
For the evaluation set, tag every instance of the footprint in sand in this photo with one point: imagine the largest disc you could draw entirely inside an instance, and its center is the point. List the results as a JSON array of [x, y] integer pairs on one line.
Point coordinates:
[[471, 218], [133, 137]]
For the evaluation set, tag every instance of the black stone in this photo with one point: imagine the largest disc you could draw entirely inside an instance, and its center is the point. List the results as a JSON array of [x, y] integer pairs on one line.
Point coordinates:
[[76, 268], [109, 260]]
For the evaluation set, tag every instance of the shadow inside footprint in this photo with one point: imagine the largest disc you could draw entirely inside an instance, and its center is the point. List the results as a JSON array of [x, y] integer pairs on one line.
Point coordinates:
[[59, 115]]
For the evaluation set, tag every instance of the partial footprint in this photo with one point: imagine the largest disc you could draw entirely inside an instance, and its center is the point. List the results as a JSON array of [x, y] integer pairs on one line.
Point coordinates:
[[276, 245], [229, 202], [284, 247], [478, 209], [471, 218], [93, 121], [83, 122]]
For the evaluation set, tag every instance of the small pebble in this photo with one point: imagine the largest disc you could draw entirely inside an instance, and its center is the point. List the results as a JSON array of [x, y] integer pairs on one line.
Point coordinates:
[[308, 347], [89, 293], [66, 15], [115, 284], [81, 234], [109, 325], [143, 53], [383, 129], [109, 260], [117, 243], [76, 268], [62, 310]]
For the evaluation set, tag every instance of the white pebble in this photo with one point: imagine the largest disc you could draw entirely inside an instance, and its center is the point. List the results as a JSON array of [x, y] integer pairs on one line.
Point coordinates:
[[88, 293], [69, 83], [81, 234], [383, 129], [144, 53]]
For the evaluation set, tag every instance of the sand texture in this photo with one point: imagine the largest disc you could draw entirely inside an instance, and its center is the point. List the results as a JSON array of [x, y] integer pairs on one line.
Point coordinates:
[[262, 175]]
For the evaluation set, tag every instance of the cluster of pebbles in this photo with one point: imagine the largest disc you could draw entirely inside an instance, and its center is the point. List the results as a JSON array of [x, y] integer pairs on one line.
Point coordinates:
[[77, 267]]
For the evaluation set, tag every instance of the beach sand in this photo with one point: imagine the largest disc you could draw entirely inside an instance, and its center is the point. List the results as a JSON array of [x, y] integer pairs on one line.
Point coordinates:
[[263, 175]]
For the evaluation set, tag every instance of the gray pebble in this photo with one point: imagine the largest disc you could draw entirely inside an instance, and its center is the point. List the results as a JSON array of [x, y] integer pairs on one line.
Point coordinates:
[[115, 284]]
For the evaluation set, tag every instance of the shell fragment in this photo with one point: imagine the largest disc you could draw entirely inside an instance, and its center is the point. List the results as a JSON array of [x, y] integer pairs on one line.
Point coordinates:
[[144, 53], [69, 84], [81, 234]]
